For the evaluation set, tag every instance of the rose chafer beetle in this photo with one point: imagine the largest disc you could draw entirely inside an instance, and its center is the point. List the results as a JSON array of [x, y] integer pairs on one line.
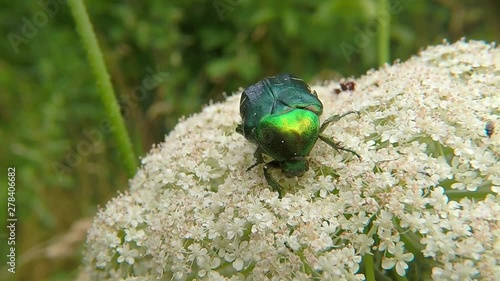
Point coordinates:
[[280, 115]]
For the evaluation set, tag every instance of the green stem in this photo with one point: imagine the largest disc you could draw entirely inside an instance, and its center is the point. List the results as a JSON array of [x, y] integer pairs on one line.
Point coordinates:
[[384, 38], [94, 55], [479, 194], [399, 278], [369, 267], [412, 242]]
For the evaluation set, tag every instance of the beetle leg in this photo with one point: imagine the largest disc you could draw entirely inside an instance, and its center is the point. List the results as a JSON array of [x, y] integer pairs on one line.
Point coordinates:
[[269, 178], [258, 158], [336, 145], [271, 165], [333, 119], [239, 129]]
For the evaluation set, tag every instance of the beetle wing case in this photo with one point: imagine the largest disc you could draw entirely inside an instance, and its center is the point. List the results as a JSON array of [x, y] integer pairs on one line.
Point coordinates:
[[274, 96]]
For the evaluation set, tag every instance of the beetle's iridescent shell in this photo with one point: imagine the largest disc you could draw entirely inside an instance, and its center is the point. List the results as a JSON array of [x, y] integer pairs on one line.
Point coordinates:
[[288, 135], [275, 96]]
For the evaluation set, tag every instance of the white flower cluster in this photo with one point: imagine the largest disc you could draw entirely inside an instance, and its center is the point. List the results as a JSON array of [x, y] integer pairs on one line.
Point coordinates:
[[422, 201]]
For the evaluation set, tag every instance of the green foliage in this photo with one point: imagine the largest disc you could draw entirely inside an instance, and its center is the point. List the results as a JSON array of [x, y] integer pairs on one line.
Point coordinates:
[[166, 59]]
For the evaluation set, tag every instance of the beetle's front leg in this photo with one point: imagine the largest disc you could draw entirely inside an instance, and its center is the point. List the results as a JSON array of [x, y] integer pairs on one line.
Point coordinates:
[[333, 119], [336, 145], [239, 129], [258, 158], [269, 178]]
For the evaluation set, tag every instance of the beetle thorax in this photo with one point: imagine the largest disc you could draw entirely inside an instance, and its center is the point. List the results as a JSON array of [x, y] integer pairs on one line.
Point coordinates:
[[289, 135]]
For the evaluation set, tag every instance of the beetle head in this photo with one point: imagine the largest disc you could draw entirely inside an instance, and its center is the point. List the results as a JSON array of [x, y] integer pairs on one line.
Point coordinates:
[[295, 167]]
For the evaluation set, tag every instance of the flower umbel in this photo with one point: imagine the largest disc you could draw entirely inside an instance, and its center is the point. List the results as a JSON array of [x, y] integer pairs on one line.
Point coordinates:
[[422, 202]]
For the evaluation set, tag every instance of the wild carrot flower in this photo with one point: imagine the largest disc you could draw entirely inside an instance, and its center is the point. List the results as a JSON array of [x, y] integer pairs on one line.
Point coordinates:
[[422, 202]]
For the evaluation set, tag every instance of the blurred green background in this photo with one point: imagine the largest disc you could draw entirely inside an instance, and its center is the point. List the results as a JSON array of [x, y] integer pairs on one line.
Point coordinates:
[[166, 59]]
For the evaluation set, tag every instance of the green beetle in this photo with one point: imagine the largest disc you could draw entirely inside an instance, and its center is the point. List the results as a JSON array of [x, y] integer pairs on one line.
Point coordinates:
[[280, 114]]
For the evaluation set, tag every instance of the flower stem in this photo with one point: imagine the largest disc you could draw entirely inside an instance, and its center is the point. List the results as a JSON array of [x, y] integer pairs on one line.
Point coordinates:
[[369, 267], [412, 242], [479, 194], [94, 55], [384, 33], [399, 278]]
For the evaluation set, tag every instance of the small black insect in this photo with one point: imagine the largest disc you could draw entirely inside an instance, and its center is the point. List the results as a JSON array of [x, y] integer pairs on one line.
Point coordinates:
[[489, 128], [347, 86]]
